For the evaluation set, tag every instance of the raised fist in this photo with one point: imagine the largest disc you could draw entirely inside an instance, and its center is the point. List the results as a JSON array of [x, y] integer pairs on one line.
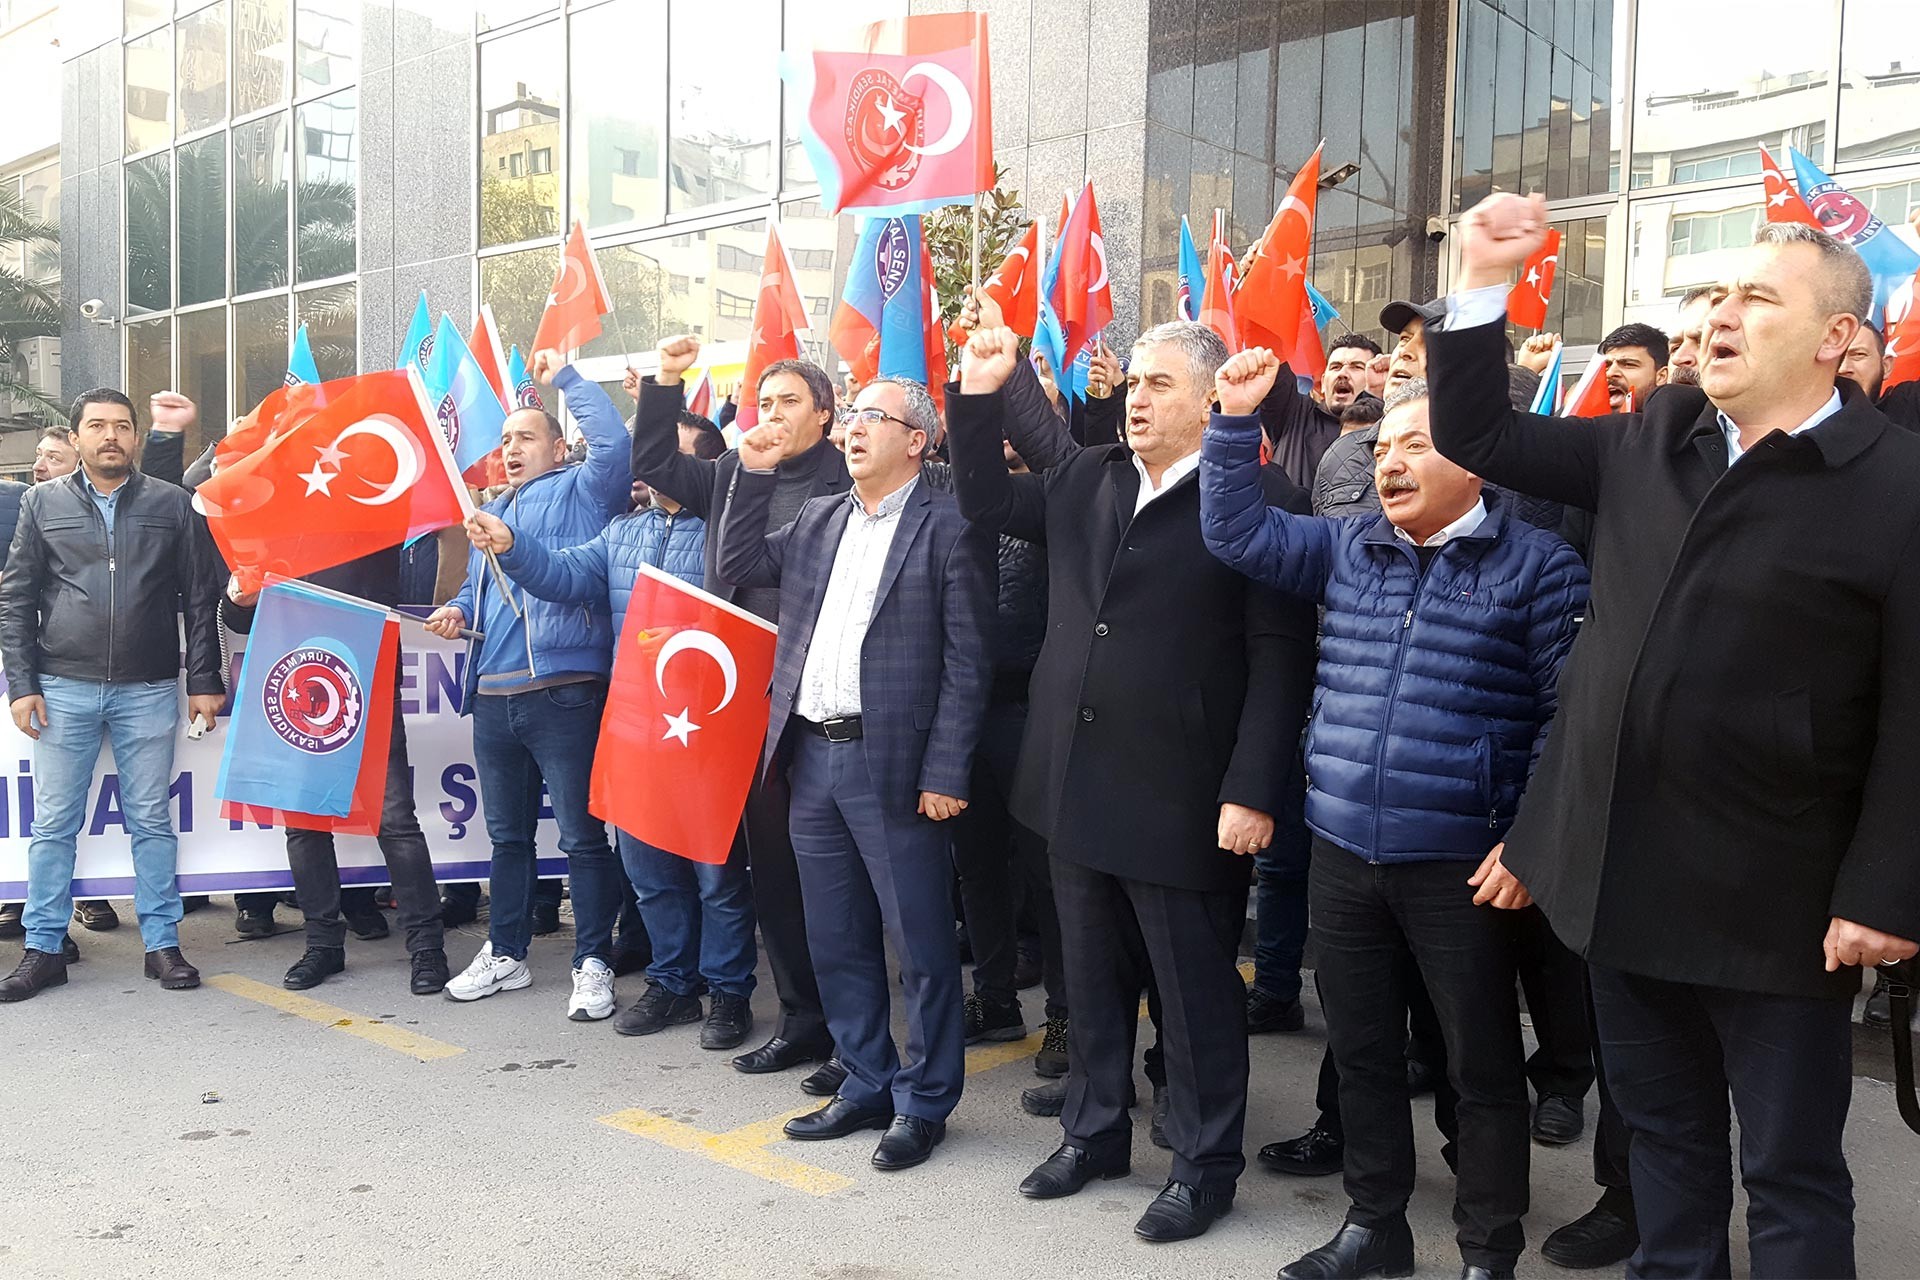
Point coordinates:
[[988, 361], [1244, 381], [1497, 235], [676, 356]]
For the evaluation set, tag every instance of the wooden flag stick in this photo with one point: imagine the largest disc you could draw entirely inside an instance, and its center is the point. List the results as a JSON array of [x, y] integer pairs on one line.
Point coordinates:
[[500, 580], [976, 242]]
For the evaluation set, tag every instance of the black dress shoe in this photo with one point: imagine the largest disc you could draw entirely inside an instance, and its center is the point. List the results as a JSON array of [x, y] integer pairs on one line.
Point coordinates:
[[36, 971], [314, 968], [458, 910], [1313, 1154], [1558, 1120], [1157, 1129], [1180, 1212], [1356, 1252], [836, 1120], [96, 915], [1878, 1013], [1069, 1169], [1603, 1236], [777, 1054], [1473, 1272], [1266, 1013], [369, 924], [172, 969], [430, 972], [825, 1080], [908, 1141]]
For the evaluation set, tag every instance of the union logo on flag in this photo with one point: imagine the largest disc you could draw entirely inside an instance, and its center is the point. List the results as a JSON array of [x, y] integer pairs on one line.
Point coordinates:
[[312, 700]]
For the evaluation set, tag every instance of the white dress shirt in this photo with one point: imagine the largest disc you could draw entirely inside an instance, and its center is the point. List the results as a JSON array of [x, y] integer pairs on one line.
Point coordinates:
[[830, 680], [1460, 528], [1732, 432], [1174, 473]]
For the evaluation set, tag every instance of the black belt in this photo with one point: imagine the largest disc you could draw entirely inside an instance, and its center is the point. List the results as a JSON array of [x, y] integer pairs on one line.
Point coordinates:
[[838, 729]]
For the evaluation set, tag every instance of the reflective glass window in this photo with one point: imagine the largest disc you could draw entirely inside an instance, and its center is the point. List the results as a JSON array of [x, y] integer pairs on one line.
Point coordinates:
[[721, 111], [149, 91], [501, 13], [617, 123], [327, 43], [259, 55], [203, 219], [323, 200], [203, 374], [149, 234], [1880, 82], [520, 84], [515, 285], [331, 314], [149, 359], [142, 14], [260, 164], [261, 344], [201, 47]]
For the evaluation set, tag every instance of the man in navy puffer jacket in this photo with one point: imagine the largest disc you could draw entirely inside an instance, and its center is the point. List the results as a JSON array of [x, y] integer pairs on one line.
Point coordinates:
[[698, 917], [1446, 624]]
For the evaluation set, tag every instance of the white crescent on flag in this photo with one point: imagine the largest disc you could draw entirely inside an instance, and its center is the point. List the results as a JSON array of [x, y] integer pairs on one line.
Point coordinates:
[[406, 458], [682, 725], [1100, 252], [959, 101]]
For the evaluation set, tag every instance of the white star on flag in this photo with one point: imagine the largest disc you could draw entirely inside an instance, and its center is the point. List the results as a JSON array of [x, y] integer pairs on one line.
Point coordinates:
[[1778, 198], [1533, 276], [318, 480], [680, 726], [331, 455], [891, 114], [1293, 267]]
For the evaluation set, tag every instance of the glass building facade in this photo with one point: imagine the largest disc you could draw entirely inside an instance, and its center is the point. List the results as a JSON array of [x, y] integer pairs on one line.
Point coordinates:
[[232, 169]]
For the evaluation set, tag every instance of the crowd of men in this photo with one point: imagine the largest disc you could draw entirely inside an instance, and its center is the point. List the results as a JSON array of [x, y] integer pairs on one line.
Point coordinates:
[[1613, 715]]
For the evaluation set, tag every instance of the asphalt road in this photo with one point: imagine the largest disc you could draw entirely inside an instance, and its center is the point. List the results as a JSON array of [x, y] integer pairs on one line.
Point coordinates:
[[368, 1132]]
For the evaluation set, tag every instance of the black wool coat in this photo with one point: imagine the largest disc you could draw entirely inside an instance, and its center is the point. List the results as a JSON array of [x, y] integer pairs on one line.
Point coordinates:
[[1167, 685], [1739, 728]]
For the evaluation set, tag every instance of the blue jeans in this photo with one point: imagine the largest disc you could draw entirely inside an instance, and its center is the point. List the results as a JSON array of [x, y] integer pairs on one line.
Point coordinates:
[[519, 741], [1280, 900], [140, 720], [699, 917]]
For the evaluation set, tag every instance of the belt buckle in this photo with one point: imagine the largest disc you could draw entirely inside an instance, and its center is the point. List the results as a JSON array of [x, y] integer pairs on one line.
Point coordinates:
[[838, 729]]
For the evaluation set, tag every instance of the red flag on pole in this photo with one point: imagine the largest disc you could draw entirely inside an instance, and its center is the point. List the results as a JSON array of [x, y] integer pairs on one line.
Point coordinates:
[[578, 299], [1272, 291], [1216, 300], [1527, 304], [484, 342], [687, 711], [347, 468], [779, 317], [1015, 285], [700, 395], [1903, 344], [1783, 202], [1082, 298], [1589, 397]]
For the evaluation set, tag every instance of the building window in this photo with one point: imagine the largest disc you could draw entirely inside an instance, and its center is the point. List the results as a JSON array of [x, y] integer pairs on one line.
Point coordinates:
[[731, 258], [540, 160], [520, 94], [731, 306]]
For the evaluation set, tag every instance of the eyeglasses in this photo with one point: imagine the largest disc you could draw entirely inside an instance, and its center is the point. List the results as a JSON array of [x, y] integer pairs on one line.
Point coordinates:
[[874, 417]]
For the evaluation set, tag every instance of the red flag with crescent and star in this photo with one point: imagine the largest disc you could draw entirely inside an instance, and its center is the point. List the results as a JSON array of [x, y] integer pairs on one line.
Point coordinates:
[[1216, 298], [346, 468], [578, 299], [1273, 280], [687, 710], [1903, 345], [1527, 304], [779, 318], [1783, 202], [1015, 285], [902, 121]]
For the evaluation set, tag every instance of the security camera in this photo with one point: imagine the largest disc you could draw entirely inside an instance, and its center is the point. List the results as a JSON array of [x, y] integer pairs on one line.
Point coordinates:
[[95, 310], [1436, 229]]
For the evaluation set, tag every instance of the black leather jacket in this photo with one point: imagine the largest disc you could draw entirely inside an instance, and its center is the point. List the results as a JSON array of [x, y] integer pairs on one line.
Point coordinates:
[[75, 603]]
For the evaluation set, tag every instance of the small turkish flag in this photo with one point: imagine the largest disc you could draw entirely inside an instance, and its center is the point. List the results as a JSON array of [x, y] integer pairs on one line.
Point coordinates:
[[1903, 343], [485, 345], [345, 468], [1216, 300], [1527, 304], [1783, 202], [1272, 291], [779, 317], [577, 301], [1589, 397], [1015, 286], [686, 715]]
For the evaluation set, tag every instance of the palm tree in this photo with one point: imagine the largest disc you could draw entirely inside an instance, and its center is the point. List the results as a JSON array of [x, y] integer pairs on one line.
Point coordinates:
[[29, 308]]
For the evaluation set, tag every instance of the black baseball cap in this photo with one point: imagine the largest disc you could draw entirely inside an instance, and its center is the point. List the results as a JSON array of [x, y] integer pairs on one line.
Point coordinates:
[[1397, 315]]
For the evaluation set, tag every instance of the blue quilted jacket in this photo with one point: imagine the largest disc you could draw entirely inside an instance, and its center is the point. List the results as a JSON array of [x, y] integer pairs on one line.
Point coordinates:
[[1435, 692], [603, 571]]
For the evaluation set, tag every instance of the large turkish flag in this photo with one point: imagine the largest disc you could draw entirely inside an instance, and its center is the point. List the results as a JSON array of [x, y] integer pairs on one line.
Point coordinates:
[[686, 718], [578, 299], [342, 470]]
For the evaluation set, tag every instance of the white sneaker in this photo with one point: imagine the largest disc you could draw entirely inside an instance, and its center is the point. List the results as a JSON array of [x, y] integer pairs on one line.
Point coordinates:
[[592, 997], [487, 974]]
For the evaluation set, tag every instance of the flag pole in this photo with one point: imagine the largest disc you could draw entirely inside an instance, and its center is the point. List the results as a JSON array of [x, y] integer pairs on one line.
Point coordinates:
[[626, 351], [976, 241]]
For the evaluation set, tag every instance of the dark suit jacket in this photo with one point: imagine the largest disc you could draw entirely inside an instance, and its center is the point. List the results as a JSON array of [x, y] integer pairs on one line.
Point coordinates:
[[1739, 726], [926, 665], [1168, 684]]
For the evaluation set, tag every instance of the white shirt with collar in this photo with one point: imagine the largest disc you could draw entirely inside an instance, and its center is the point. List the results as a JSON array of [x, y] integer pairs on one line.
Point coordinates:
[[830, 679], [1466, 524], [1175, 472], [1732, 432]]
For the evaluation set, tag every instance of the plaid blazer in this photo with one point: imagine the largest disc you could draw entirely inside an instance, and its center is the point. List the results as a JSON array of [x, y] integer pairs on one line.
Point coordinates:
[[926, 664]]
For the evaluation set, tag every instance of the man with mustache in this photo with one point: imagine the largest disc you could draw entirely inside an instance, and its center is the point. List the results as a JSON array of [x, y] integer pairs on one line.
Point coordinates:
[[103, 563], [1683, 344], [1446, 623]]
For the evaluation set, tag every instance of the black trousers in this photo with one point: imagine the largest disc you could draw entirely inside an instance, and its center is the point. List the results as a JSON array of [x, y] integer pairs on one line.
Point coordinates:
[[778, 908], [316, 871], [1117, 936], [1370, 920], [1673, 1053], [1611, 1141], [1554, 981], [997, 860], [1425, 1045]]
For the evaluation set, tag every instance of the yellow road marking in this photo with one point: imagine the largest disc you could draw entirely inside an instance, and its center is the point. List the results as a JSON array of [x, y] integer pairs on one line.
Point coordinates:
[[386, 1035], [743, 1148], [987, 1057]]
